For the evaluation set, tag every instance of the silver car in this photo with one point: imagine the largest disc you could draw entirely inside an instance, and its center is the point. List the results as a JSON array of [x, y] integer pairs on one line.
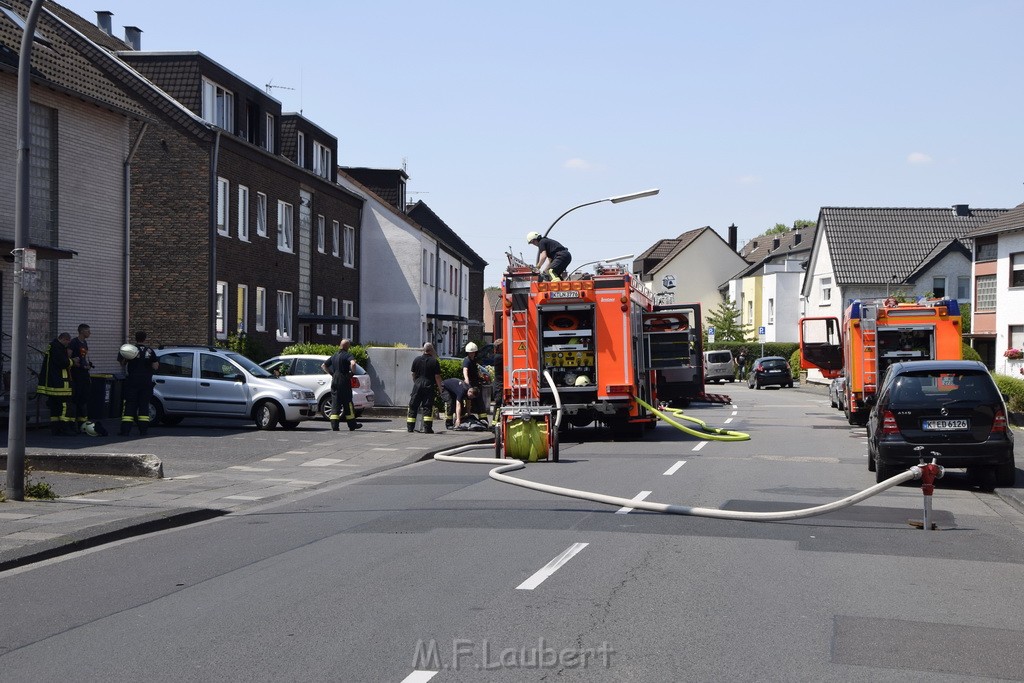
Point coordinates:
[[210, 382], [304, 369]]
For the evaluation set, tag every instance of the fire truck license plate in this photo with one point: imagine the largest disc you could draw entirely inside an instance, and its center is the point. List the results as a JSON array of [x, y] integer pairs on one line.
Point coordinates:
[[568, 294], [944, 425]]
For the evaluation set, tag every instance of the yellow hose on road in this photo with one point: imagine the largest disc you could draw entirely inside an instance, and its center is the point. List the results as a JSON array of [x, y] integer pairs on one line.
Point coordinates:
[[711, 433]]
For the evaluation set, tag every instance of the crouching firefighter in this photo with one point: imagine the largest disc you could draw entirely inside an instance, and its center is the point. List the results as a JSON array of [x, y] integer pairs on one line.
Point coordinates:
[[426, 374], [340, 367]]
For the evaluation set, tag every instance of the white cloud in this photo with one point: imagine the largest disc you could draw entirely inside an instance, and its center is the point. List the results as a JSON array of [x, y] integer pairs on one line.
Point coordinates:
[[578, 165], [918, 158]]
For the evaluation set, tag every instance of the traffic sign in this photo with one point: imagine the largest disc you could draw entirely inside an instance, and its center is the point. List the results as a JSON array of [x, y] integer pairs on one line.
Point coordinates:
[[711, 335], [761, 333]]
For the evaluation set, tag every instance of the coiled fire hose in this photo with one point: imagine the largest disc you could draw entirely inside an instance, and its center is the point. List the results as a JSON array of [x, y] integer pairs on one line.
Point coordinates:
[[712, 433]]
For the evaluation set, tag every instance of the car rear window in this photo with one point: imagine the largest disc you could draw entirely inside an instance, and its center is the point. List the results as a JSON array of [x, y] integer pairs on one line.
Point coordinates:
[[719, 357], [774, 363], [939, 386]]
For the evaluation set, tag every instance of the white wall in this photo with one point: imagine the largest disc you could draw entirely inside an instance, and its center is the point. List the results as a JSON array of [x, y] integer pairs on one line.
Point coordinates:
[[698, 271], [1010, 307]]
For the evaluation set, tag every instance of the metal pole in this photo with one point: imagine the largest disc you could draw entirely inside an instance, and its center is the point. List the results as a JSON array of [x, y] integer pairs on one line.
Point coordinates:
[[19, 308]]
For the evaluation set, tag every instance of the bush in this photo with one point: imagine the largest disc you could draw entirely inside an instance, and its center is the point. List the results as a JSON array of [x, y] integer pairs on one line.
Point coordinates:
[[1013, 388], [794, 363], [970, 353], [243, 344], [326, 350], [783, 349]]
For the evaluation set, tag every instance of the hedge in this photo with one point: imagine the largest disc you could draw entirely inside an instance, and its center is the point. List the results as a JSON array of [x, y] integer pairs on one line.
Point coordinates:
[[325, 350], [1013, 388]]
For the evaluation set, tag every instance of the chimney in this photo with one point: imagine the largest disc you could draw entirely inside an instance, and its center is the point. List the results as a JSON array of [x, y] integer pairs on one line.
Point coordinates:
[[133, 36], [732, 237], [962, 209], [775, 243], [103, 18]]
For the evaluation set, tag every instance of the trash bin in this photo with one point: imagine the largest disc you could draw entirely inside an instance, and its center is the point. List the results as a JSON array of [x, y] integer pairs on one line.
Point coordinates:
[[105, 396]]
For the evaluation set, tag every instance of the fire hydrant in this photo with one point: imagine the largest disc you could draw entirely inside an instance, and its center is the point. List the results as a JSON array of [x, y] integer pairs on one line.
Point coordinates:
[[928, 473]]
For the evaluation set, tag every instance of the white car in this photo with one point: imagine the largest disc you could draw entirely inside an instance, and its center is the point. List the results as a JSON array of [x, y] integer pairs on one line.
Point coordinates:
[[202, 381], [305, 370]]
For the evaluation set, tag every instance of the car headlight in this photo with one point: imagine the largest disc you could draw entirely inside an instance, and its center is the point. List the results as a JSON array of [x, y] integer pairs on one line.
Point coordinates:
[[302, 394]]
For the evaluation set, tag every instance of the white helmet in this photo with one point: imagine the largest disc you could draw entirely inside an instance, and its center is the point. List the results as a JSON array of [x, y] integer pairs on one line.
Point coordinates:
[[531, 236], [89, 428], [582, 381], [129, 351], [471, 347]]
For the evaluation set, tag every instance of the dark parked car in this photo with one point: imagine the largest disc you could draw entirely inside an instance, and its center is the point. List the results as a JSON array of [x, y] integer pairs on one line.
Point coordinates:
[[768, 371], [952, 407]]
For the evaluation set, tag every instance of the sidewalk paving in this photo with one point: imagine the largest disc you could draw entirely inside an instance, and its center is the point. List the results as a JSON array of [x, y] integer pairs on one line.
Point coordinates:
[[98, 508]]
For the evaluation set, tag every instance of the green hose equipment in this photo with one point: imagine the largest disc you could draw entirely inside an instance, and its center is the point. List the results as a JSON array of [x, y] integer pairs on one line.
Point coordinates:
[[712, 433], [526, 439]]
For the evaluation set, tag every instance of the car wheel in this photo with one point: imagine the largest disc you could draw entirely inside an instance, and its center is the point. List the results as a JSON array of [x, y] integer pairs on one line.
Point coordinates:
[[497, 439], [757, 385], [289, 425], [1006, 474], [871, 458], [323, 409], [985, 478], [554, 445], [832, 402], [790, 385], [266, 415], [158, 416]]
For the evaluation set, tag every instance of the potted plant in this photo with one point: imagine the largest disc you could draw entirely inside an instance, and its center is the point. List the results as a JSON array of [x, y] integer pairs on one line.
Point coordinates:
[[1013, 354]]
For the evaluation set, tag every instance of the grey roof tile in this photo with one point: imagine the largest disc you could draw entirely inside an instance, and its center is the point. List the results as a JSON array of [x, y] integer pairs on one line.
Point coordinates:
[[1009, 221], [870, 245]]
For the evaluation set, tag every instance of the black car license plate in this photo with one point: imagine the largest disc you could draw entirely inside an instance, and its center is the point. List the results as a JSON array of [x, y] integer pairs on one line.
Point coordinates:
[[944, 425]]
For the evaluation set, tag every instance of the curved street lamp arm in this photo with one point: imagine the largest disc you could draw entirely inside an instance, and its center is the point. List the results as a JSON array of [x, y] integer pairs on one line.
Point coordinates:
[[578, 206]]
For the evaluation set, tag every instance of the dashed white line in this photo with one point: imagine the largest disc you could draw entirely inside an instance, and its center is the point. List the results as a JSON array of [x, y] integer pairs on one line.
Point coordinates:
[[675, 468], [728, 420], [246, 468], [243, 497], [419, 677], [640, 496], [322, 462], [551, 567], [735, 413], [700, 445]]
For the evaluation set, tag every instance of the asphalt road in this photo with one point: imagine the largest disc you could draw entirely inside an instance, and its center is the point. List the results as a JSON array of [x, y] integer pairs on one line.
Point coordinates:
[[435, 567]]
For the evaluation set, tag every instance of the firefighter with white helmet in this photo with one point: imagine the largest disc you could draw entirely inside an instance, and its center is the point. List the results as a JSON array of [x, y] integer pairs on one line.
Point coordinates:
[[472, 377], [139, 363], [552, 257]]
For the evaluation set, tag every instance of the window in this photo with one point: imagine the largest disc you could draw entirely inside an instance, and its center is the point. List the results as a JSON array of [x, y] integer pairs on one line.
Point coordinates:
[[321, 160], [320, 311], [939, 287], [243, 213], [261, 309], [222, 206], [750, 312], [222, 310], [426, 268], [771, 311], [986, 251], [284, 226], [334, 312], [218, 105], [348, 311], [1016, 337], [1017, 269], [216, 367], [432, 269], [261, 214], [321, 237], [826, 290], [284, 316], [300, 149], [44, 188], [963, 289], [985, 294], [350, 246], [177, 364], [335, 238], [242, 309], [271, 134]]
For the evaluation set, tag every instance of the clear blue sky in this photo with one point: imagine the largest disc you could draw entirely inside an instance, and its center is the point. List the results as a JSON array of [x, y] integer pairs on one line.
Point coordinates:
[[753, 113]]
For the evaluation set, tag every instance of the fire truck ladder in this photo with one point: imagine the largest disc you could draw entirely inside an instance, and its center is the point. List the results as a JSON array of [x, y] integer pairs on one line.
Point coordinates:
[[524, 382], [869, 328]]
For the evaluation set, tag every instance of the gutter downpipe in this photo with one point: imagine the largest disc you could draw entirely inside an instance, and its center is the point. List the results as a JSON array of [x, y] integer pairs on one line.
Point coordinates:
[[126, 286], [435, 328], [211, 302]]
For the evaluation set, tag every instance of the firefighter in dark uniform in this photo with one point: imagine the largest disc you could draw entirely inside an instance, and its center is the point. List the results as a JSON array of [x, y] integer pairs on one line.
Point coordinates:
[[55, 385], [138, 384], [458, 397], [471, 376], [548, 250], [498, 380], [80, 378], [426, 374], [340, 367]]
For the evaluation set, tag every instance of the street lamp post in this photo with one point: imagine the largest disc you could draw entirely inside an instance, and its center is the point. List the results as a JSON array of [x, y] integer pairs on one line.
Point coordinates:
[[613, 200]]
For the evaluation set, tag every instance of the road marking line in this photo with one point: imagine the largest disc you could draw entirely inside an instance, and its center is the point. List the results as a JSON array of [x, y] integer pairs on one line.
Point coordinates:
[[243, 497], [383, 449], [296, 482], [296, 452], [80, 499], [735, 413], [322, 462], [640, 496], [700, 445], [675, 468], [419, 677], [184, 476], [274, 460], [551, 567], [246, 468]]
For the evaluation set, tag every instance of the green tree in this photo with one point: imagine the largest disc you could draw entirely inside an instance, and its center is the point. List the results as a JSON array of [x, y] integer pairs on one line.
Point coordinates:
[[726, 321], [777, 229]]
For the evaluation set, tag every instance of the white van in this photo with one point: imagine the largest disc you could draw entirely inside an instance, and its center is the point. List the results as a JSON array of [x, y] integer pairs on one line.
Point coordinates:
[[719, 365]]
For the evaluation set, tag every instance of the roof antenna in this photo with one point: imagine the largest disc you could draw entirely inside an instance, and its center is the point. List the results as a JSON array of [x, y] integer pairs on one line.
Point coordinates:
[[269, 86]]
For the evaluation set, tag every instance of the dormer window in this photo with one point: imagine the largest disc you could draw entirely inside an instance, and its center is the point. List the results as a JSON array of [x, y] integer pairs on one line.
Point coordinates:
[[321, 160], [218, 105]]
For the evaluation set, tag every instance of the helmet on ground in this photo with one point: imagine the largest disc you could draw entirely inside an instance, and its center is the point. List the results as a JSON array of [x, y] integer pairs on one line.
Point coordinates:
[[531, 236], [89, 428], [471, 347], [129, 351], [582, 381]]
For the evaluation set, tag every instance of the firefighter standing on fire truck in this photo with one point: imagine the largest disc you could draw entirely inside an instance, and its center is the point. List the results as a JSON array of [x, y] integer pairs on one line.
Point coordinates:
[[552, 257]]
